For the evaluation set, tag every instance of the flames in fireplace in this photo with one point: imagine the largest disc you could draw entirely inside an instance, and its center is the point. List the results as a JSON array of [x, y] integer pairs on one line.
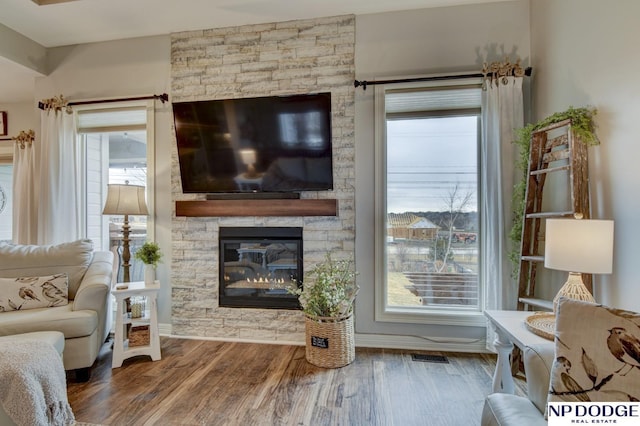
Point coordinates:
[[267, 281]]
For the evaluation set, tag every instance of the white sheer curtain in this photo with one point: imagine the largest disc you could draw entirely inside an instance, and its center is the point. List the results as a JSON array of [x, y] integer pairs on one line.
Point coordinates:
[[25, 197], [59, 195], [502, 114]]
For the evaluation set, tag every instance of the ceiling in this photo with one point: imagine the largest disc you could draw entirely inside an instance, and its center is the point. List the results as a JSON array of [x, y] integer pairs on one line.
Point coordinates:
[[85, 21]]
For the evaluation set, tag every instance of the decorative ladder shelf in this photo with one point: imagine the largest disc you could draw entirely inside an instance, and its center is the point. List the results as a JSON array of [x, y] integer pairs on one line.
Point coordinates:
[[559, 156]]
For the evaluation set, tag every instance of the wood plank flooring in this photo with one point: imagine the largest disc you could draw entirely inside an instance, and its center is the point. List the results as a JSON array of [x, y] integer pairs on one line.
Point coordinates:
[[201, 382]]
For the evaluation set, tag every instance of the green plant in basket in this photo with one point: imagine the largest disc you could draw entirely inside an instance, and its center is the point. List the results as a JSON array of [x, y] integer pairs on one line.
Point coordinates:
[[149, 254], [330, 289]]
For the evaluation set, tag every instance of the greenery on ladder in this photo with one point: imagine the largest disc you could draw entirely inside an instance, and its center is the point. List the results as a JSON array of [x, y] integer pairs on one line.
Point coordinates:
[[583, 126]]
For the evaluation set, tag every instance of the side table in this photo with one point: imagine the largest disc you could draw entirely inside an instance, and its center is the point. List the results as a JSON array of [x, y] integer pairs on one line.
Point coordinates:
[[121, 348], [510, 329]]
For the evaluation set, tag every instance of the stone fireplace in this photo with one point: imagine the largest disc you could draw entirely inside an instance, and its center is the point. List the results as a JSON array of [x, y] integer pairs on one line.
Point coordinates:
[[294, 57], [259, 266]]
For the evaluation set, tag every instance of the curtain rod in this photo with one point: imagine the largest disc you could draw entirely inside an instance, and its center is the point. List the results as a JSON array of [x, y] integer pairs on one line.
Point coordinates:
[[163, 97], [365, 83]]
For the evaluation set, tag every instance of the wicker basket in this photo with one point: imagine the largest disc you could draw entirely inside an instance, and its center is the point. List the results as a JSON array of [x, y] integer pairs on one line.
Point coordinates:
[[139, 336], [329, 341]]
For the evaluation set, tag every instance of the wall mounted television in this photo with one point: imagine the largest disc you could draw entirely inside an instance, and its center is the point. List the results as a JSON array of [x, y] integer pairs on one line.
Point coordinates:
[[274, 144]]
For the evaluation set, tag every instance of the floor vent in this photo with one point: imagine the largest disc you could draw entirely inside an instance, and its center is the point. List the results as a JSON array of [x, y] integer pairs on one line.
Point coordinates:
[[430, 358]]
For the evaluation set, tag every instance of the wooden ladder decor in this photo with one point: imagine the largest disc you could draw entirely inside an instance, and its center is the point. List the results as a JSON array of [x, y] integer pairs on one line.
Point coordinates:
[[559, 158]]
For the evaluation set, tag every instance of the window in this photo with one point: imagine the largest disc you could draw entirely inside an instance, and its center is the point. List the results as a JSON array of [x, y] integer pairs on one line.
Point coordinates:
[[427, 186], [117, 147], [6, 209]]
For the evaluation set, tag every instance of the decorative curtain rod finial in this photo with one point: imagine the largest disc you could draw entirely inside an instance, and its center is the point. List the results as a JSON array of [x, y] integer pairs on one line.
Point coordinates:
[[25, 138], [57, 103], [363, 83], [499, 71]]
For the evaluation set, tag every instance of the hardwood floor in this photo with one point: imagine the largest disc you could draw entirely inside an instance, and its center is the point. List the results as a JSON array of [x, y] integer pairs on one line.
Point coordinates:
[[200, 382]]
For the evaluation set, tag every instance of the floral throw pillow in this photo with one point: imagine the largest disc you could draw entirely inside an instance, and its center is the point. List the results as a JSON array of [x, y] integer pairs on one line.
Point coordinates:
[[597, 351], [33, 292]]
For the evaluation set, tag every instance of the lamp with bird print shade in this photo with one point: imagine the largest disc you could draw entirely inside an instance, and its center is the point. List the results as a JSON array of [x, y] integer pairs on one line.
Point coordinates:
[[125, 200], [578, 246]]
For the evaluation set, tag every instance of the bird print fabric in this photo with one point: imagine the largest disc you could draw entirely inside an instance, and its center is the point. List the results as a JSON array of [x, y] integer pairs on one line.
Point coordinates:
[[597, 351], [24, 293]]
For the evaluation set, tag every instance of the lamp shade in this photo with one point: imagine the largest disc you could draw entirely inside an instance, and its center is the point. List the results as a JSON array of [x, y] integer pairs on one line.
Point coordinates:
[[579, 245], [125, 199], [248, 156]]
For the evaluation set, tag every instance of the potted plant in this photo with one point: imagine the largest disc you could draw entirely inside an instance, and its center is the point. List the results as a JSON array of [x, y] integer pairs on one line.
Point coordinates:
[[327, 299], [149, 254]]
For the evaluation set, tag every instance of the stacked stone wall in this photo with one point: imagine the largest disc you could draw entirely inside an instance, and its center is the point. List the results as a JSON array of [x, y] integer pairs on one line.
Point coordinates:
[[296, 57]]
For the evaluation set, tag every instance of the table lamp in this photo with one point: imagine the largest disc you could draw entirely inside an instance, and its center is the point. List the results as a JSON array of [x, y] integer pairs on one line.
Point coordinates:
[[125, 200], [248, 157], [578, 246]]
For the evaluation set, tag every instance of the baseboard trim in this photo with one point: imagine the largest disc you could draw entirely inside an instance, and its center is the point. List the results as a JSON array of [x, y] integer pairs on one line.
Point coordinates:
[[424, 343], [164, 329]]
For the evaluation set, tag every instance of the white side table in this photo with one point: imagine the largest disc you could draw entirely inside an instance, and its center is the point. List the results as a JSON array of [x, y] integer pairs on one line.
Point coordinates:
[[121, 349], [510, 329]]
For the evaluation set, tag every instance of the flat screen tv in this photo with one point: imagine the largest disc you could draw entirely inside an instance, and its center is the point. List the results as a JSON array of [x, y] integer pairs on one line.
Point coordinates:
[[263, 144]]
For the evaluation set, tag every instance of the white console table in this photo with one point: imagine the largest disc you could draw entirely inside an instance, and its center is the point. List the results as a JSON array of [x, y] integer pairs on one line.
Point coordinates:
[[121, 348], [510, 329]]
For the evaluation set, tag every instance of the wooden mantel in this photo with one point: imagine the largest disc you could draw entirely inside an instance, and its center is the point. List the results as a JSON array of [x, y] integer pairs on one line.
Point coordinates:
[[267, 207]]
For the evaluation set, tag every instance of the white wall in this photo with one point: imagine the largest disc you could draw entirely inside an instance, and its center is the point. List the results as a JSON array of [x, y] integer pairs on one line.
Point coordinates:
[[125, 68], [408, 43], [585, 54]]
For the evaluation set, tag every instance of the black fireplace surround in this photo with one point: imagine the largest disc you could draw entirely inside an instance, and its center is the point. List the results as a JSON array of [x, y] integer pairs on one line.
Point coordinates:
[[258, 265]]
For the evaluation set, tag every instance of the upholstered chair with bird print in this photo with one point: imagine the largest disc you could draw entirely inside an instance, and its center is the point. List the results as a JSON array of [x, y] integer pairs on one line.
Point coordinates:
[[594, 357], [597, 354]]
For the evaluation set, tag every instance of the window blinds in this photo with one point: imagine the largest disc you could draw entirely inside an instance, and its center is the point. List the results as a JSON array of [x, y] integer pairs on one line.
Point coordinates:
[[112, 119], [406, 103]]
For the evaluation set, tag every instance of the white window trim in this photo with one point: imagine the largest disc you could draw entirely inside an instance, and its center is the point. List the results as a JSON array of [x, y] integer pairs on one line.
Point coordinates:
[[149, 105], [472, 317]]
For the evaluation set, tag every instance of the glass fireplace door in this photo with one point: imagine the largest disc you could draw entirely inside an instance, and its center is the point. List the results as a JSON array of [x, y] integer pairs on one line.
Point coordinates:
[[259, 267]]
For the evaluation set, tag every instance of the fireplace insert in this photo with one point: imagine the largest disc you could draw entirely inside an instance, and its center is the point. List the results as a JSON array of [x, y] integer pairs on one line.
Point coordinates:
[[259, 266]]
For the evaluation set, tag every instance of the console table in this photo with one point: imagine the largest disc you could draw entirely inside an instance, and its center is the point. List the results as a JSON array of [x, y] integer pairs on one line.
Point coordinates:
[[510, 330]]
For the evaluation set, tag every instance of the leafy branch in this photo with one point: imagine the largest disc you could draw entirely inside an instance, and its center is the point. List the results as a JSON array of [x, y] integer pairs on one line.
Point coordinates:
[[330, 290]]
